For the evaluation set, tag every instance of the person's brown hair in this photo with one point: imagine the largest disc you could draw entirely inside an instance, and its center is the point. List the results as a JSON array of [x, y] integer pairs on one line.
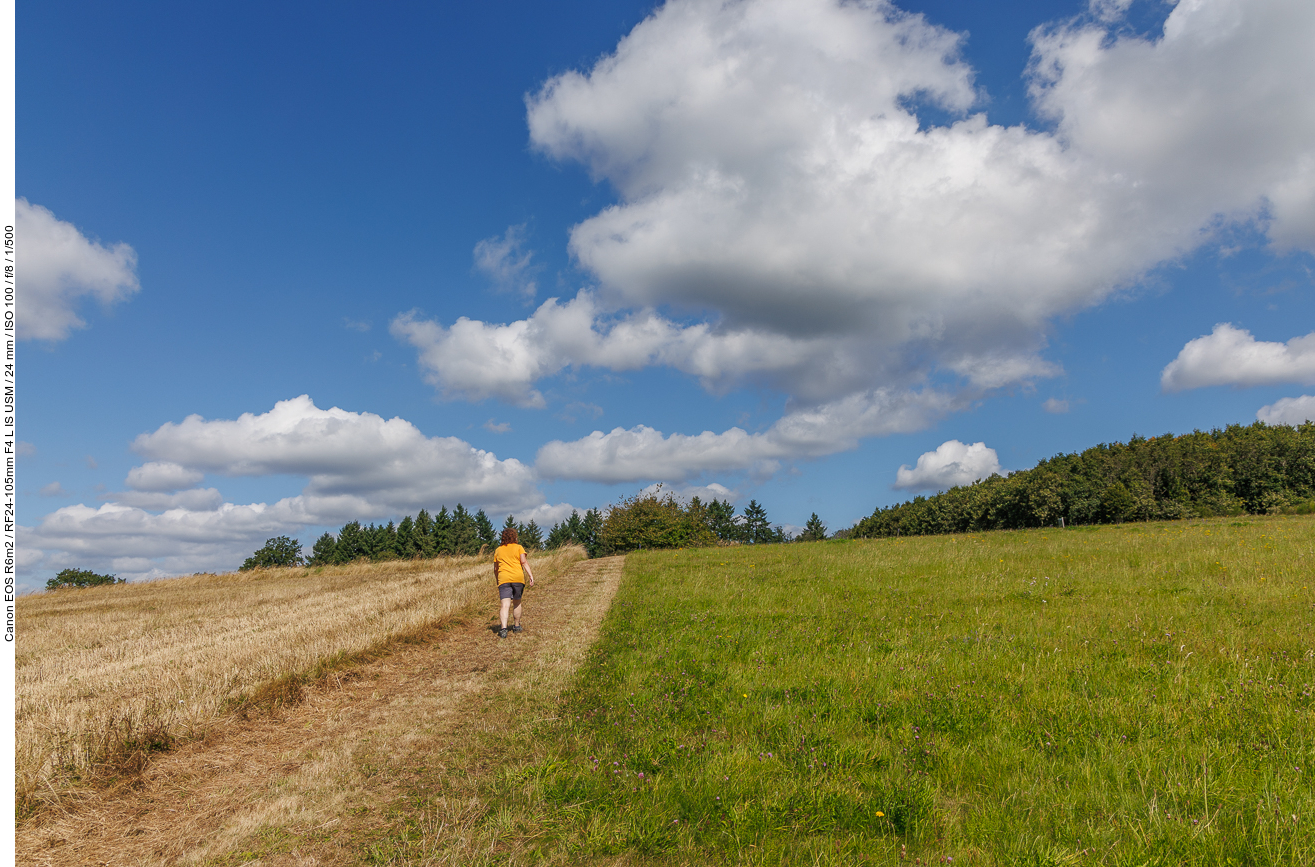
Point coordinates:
[[509, 536]]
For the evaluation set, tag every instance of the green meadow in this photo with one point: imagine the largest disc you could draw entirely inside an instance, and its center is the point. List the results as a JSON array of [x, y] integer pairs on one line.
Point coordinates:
[[1133, 694]]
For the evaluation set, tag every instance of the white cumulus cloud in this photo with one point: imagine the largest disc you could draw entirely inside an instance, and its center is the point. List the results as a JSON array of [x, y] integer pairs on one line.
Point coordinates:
[[1231, 356], [952, 464], [773, 176], [162, 476], [359, 465], [643, 453], [1289, 410], [58, 266]]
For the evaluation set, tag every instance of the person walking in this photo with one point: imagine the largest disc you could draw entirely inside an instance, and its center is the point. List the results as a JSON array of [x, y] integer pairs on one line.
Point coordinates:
[[511, 568]]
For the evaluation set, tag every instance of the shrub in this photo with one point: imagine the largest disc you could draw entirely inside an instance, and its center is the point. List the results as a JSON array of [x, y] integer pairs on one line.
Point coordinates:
[[279, 551], [650, 521], [81, 578]]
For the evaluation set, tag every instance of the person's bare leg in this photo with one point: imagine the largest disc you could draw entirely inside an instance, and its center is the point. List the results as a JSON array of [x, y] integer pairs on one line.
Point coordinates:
[[516, 612], [506, 606]]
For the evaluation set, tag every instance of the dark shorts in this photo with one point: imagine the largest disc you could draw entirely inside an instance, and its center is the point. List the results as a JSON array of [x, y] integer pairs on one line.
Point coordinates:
[[511, 591]]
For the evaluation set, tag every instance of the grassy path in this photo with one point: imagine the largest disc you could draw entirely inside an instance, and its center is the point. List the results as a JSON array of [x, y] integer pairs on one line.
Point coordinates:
[[322, 782]]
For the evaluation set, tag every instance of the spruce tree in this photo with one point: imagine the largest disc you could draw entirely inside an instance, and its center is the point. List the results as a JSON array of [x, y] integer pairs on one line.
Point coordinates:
[[757, 529], [351, 543], [590, 528], [423, 532], [406, 541], [464, 533], [324, 552], [442, 533], [721, 521], [814, 530], [485, 528], [558, 536], [574, 528], [531, 537]]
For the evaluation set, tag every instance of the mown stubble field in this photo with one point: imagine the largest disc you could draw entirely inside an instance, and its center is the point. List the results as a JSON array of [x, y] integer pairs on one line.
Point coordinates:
[[109, 676]]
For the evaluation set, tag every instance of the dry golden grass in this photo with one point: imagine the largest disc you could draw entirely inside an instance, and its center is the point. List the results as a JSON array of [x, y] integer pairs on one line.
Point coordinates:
[[106, 675]]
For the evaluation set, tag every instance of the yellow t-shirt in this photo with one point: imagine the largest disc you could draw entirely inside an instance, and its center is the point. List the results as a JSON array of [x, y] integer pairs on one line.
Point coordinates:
[[508, 558]]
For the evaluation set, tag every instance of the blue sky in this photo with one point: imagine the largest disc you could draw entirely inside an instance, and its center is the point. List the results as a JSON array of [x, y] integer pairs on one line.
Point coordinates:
[[795, 246]]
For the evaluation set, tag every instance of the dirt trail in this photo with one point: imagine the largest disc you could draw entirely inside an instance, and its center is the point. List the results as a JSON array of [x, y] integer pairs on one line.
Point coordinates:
[[304, 786]]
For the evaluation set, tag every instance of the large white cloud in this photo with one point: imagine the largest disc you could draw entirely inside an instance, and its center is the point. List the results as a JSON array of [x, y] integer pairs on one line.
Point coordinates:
[[1289, 410], [58, 266], [359, 464], [1231, 356], [773, 174], [477, 360], [952, 464], [643, 453]]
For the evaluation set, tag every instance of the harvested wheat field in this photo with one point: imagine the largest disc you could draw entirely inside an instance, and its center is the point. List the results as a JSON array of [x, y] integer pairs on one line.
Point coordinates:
[[109, 676], [311, 782]]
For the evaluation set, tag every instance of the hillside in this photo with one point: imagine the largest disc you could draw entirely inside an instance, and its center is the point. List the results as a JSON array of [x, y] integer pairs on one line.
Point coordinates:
[[1257, 469], [1114, 695]]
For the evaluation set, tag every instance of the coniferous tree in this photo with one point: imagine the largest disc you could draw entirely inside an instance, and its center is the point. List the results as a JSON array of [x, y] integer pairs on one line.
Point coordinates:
[[423, 532], [757, 529], [485, 528], [407, 548], [558, 536], [464, 533], [531, 536], [814, 530], [574, 528], [324, 552], [352, 544], [590, 533], [381, 542], [722, 522], [371, 536], [442, 533], [510, 523]]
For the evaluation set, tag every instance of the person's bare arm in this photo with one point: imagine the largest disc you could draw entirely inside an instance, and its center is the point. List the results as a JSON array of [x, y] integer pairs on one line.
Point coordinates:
[[525, 565]]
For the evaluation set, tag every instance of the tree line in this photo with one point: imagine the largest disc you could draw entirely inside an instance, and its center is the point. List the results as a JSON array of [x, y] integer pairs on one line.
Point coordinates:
[[445, 534], [1256, 469], [652, 520]]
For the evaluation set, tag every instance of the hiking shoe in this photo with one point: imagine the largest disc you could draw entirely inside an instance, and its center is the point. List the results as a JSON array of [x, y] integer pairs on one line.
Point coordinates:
[[515, 629], [502, 633]]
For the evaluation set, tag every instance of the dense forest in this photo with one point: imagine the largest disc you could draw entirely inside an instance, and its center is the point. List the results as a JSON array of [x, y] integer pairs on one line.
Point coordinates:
[[1256, 469]]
